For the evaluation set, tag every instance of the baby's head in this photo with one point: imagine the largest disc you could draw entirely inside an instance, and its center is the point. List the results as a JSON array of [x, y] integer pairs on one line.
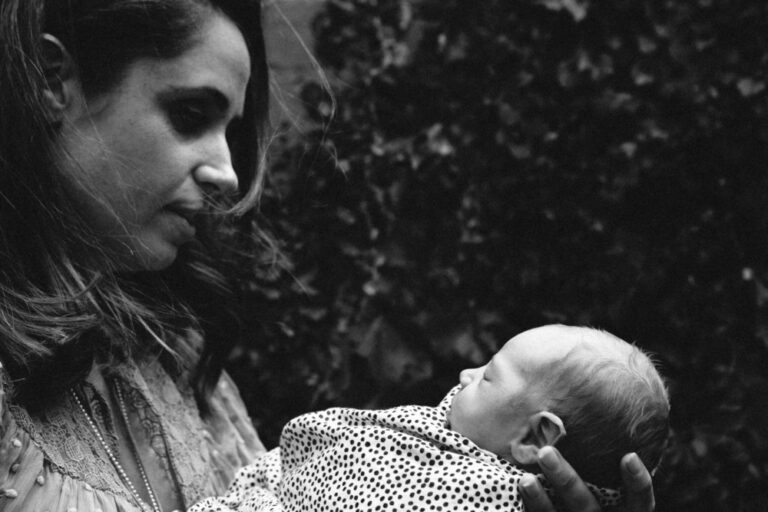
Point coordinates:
[[586, 391]]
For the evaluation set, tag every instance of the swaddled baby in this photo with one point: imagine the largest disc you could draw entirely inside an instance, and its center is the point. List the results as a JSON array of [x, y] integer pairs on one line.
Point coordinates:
[[585, 391]]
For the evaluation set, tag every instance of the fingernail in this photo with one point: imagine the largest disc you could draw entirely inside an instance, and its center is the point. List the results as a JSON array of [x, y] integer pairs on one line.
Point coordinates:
[[634, 465], [527, 482], [548, 457]]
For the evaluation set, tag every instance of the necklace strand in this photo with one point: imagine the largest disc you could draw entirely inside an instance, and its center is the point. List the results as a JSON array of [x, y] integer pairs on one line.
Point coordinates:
[[134, 448], [113, 459]]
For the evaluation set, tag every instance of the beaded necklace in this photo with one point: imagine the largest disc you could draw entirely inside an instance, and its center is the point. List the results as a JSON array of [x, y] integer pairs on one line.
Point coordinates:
[[154, 505]]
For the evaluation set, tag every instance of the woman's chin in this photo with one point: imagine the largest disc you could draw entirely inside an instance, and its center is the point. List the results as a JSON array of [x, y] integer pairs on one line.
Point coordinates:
[[149, 258]]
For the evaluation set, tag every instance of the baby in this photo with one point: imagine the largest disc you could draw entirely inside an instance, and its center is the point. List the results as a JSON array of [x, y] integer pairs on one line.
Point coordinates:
[[588, 392]]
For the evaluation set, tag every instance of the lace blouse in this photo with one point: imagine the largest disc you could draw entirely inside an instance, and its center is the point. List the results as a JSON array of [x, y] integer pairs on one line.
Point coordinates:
[[52, 462]]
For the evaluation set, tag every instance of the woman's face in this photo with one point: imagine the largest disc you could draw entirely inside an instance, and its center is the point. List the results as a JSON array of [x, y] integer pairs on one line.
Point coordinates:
[[144, 155]]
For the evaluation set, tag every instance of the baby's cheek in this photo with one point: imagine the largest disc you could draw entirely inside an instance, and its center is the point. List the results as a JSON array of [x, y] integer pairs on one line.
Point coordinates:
[[457, 414]]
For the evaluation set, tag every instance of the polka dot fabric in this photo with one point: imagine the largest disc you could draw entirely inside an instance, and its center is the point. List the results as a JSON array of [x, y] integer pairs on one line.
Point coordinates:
[[404, 458], [253, 489]]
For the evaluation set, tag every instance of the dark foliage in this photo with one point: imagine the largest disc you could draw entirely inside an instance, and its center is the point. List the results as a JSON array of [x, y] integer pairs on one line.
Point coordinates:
[[497, 165]]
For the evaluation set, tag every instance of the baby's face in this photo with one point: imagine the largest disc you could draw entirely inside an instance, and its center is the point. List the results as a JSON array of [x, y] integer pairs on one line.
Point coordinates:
[[496, 400]]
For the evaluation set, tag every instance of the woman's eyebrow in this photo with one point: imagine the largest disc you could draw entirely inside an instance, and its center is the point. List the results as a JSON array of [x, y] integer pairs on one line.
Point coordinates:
[[219, 99]]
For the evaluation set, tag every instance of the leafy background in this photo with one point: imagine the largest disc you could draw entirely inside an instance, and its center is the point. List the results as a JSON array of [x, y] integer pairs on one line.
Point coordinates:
[[497, 165]]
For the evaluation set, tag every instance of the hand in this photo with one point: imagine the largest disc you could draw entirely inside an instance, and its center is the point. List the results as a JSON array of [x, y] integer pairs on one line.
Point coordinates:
[[575, 495]]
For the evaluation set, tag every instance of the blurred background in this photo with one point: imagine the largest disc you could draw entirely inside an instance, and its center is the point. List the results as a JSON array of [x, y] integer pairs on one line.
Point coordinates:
[[497, 165]]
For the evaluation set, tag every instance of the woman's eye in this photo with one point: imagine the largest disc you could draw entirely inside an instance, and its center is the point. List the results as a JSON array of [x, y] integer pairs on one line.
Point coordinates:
[[233, 128], [189, 119]]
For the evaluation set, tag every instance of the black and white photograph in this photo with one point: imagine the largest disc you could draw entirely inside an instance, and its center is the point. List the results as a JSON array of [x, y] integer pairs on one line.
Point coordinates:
[[383, 255]]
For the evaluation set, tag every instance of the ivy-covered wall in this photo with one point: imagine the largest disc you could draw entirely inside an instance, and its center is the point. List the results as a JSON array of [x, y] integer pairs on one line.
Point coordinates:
[[496, 165]]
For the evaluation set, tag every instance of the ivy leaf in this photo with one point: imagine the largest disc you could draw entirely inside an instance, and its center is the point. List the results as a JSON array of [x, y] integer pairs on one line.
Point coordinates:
[[392, 361], [750, 87], [576, 8]]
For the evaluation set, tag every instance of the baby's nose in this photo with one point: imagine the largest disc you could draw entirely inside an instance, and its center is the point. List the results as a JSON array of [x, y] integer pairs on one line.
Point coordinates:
[[466, 376]]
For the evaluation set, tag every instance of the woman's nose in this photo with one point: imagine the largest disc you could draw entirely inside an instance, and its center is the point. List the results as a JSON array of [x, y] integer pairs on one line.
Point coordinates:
[[222, 177], [218, 171]]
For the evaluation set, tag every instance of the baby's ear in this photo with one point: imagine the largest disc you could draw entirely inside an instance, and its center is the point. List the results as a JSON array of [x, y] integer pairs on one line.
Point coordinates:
[[544, 428]]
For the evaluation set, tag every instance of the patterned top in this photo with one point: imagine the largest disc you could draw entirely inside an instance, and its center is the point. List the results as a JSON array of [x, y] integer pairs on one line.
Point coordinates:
[[52, 462], [352, 460]]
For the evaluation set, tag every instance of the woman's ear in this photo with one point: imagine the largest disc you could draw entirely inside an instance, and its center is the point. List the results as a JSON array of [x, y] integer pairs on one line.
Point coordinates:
[[544, 428], [60, 77]]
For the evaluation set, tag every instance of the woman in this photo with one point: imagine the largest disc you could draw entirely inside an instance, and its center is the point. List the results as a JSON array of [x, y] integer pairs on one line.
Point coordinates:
[[126, 128]]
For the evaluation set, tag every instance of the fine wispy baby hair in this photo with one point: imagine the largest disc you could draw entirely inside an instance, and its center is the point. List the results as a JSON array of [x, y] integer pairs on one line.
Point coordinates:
[[612, 401]]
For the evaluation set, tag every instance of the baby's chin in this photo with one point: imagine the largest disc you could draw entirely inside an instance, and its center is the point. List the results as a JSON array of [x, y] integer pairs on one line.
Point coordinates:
[[450, 417]]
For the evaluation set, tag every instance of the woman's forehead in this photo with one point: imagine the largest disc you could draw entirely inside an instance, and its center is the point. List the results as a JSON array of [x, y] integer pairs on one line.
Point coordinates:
[[218, 59]]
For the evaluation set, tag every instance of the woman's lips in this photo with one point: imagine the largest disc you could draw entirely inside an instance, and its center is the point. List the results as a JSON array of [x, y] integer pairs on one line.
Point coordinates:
[[182, 223], [188, 213]]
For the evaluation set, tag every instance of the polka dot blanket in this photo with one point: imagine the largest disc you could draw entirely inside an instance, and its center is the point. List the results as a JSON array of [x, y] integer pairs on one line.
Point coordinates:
[[404, 458]]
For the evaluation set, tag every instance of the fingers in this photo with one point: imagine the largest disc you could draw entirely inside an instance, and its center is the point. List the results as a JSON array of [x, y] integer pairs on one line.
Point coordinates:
[[534, 497], [574, 493], [637, 484], [566, 483]]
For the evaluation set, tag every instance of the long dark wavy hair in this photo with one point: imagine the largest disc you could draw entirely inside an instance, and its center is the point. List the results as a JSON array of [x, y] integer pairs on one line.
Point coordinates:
[[61, 304]]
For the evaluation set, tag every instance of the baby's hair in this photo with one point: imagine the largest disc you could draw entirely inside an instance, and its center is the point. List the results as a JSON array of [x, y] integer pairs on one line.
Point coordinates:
[[612, 402]]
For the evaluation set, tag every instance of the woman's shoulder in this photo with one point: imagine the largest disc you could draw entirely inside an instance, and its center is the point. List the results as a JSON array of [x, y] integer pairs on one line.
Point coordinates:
[[209, 448], [9, 444], [44, 459], [229, 419], [11, 440], [229, 411]]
